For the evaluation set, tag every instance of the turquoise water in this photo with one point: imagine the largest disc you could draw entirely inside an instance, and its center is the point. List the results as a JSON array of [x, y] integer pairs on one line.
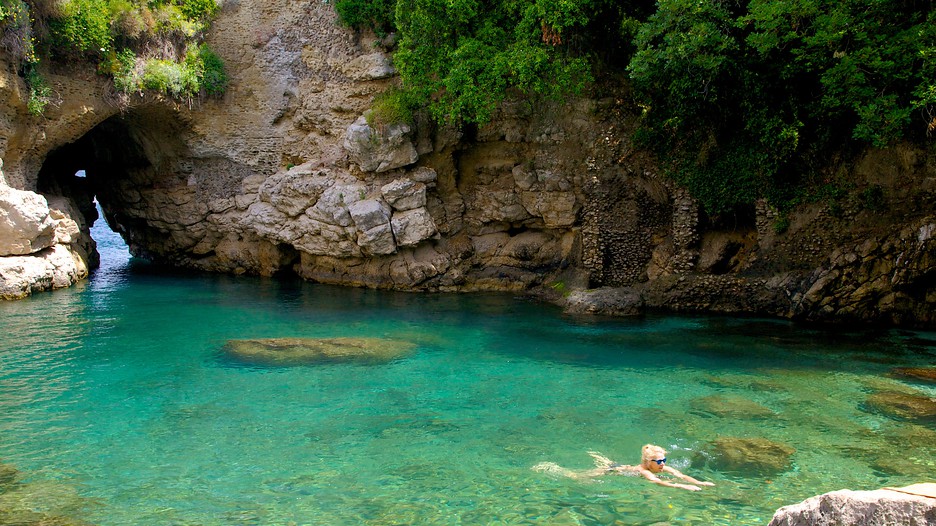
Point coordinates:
[[118, 407]]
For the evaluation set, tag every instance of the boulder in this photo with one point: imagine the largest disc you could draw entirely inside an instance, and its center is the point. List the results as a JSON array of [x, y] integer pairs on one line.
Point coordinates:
[[52, 268], [731, 407], [380, 150], [311, 351], [412, 226], [404, 194], [26, 225], [747, 456], [908, 506], [608, 301], [372, 220]]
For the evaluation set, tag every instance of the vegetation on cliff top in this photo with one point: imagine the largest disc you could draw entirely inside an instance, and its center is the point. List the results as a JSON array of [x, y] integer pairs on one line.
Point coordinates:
[[742, 99], [144, 45]]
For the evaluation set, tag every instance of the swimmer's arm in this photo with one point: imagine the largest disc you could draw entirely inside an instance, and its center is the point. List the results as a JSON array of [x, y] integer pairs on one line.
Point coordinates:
[[657, 480], [676, 473]]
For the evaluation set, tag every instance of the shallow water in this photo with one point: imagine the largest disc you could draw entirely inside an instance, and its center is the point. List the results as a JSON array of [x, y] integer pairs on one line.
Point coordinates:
[[118, 406]]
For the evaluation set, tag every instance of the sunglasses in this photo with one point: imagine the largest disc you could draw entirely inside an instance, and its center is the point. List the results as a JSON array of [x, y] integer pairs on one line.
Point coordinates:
[[659, 461]]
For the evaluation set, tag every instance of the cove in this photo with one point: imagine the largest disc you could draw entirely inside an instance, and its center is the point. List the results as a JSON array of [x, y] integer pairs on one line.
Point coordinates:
[[118, 406]]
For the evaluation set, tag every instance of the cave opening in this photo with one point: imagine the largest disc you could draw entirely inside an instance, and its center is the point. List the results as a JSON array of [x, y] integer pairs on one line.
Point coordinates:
[[96, 170]]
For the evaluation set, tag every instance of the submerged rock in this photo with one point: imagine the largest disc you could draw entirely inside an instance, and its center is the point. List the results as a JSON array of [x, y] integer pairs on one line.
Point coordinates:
[[925, 374], [310, 351], [7, 476], [731, 406], [910, 505], [903, 406], [33, 518], [748, 455]]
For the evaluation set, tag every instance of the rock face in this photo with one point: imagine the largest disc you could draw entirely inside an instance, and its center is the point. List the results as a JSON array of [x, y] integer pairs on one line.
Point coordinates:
[[883, 507], [286, 175]]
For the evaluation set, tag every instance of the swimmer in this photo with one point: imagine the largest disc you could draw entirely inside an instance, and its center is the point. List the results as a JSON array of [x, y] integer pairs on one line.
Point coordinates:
[[653, 462]]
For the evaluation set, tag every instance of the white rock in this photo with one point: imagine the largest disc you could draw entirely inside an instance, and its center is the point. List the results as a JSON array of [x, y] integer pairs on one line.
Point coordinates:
[[369, 213], [412, 226], [52, 268], [25, 222], [379, 151], [404, 194]]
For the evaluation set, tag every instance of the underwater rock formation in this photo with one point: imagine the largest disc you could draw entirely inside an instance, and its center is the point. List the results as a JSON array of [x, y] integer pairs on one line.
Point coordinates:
[[904, 406], [756, 456], [920, 374], [311, 351]]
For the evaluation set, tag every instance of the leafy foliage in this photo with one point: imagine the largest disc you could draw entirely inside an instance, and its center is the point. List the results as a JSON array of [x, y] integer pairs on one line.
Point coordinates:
[[742, 99], [143, 44]]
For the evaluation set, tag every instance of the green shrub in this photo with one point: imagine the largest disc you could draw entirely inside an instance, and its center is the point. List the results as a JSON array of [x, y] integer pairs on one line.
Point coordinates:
[[163, 76], [152, 45], [391, 107], [199, 9], [83, 28], [40, 94], [124, 71], [213, 79], [373, 14]]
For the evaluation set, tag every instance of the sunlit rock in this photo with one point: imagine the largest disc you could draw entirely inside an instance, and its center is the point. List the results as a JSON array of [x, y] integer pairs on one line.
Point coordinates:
[[412, 226], [310, 351], [404, 194], [910, 505], [52, 268], [26, 225], [380, 150], [749, 456]]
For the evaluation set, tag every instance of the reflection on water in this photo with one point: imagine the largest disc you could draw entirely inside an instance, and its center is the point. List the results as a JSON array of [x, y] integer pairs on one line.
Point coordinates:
[[117, 407]]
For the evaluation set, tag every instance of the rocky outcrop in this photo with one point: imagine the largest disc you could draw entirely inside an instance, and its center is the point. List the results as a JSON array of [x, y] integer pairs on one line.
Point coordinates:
[[286, 174], [907, 506], [42, 243]]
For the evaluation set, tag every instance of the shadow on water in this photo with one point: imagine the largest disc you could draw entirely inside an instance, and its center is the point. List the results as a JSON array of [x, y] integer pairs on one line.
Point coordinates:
[[732, 343]]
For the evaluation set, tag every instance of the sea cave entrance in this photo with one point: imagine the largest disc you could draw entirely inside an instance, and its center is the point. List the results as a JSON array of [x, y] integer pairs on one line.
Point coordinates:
[[106, 168]]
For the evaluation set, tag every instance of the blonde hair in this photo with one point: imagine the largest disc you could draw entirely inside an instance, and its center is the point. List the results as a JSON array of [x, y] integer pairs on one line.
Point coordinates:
[[649, 451]]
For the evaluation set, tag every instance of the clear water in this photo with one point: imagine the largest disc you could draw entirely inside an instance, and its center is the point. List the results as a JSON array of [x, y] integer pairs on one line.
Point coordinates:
[[117, 407]]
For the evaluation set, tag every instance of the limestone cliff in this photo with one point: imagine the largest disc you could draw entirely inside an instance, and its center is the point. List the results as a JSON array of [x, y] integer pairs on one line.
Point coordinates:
[[286, 175]]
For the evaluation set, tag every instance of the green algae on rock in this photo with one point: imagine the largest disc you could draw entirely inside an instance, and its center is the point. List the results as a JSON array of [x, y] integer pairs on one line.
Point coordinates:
[[904, 406], [311, 351], [921, 374], [748, 455]]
